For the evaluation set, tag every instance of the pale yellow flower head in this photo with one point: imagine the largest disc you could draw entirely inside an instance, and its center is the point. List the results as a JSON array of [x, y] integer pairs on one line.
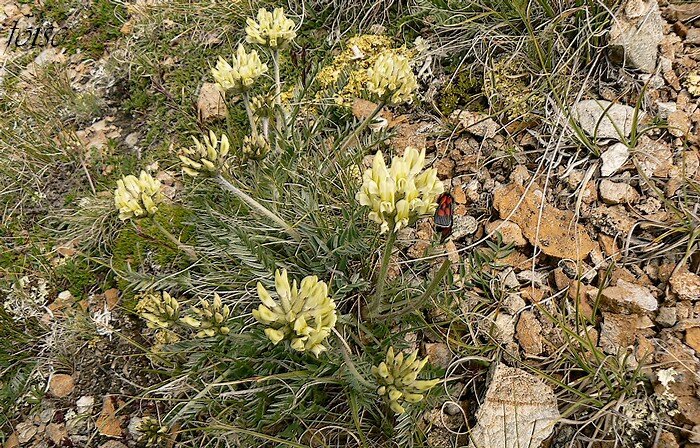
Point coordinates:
[[271, 29], [304, 315], [255, 147], [391, 79], [210, 318], [402, 193], [137, 197], [692, 82], [241, 75], [397, 379], [208, 157], [159, 309]]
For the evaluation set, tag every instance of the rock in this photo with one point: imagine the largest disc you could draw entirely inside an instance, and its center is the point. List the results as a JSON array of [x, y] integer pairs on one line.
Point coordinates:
[[476, 123], [614, 220], [667, 440], [107, 423], [666, 316], [132, 139], [531, 277], [510, 232], [84, 404], [617, 192], [678, 123], [692, 339], [438, 354], [665, 109], [617, 332], [25, 431], [686, 285], [689, 408], [113, 444], [518, 410], [529, 333], [56, 432], [504, 328], [655, 158], [452, 408], [61, 385], [600, 118], [627, 297], [558, 235], [463, 226], [695, 432], [210, 104], [12, 441], [635, 38], [111, 298], [445, 168], [513, 303], [613, 158]]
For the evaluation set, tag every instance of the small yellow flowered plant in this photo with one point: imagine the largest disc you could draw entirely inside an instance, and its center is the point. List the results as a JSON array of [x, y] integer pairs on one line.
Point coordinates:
[[693, 83], [159, 309], [137, 197], [272, 29], [208, 157], [391, 79], [402, 193], [154, 434], [360, 54], [397, 379], [240, 76], [210, 318], [304, 315], [255, 147]]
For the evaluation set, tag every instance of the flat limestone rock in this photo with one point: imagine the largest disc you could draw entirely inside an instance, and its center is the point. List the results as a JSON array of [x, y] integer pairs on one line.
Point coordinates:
[[519, 411], [558, 236]]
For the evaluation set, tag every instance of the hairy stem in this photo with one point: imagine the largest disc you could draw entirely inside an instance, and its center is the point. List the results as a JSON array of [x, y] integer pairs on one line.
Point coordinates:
[[384, 269], [361, 127], [188, 250], [278, 97], [251, 118], [259, 208]]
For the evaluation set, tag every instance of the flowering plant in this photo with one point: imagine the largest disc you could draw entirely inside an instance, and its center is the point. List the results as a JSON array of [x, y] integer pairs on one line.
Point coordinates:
[[391, 79], [271, 29], [401, 193], [207, 157], [304, 315], [240, 76], [397, 379], [137, 197]]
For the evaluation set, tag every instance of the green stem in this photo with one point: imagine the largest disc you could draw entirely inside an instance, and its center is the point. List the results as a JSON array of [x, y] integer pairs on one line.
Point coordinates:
[[362, 126], [381, 280], [345, 349], [278, 97], [188, 250], [255, 205], [251, 118], [429, 292]]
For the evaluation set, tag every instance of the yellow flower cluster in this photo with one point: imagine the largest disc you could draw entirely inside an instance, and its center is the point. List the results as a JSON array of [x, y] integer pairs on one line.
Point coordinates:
[[391, 79], [359, 56], [137, 197], [272, 29], [159, 309], [210, 319], [693, 83], [397, 379], [402, 193], [506, 89], [304, 315], [255, 147], [262, 106], [240, 76], [153, 433], [206, 158]]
